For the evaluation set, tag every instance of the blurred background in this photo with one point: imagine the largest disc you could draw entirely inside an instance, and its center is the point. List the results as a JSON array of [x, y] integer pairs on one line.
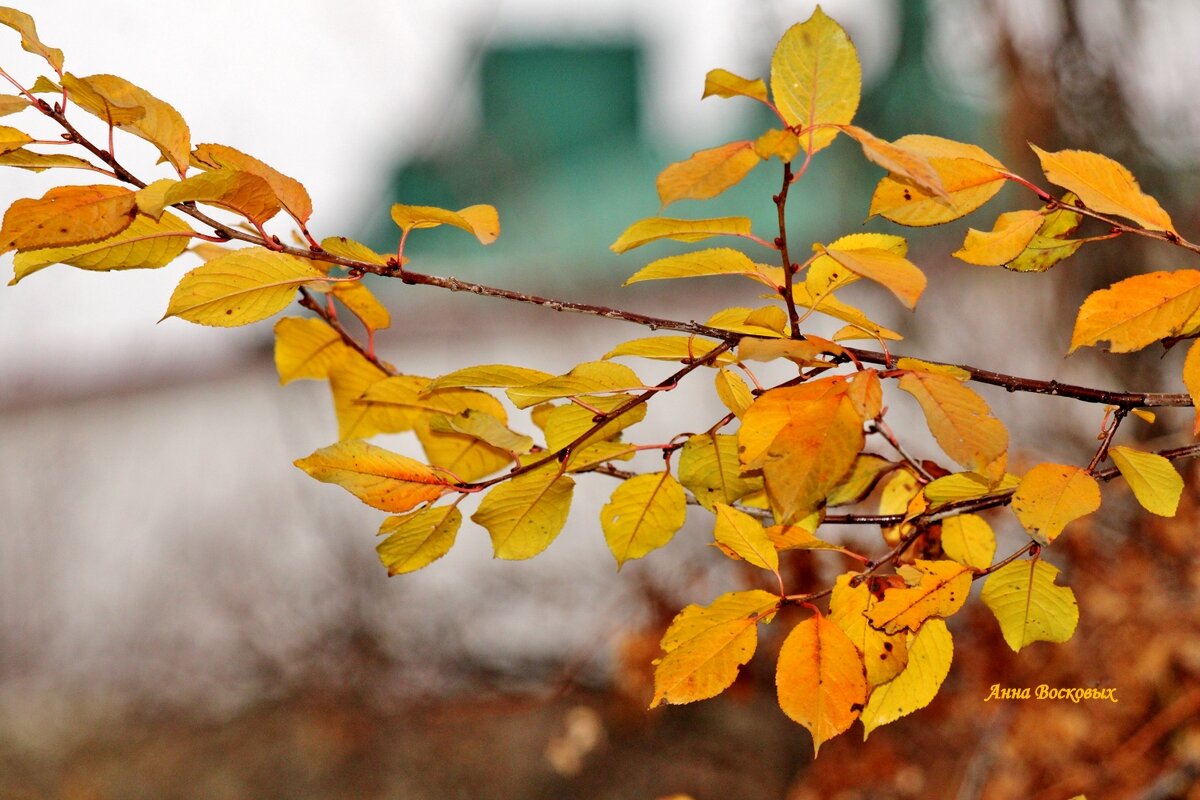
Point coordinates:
[[184, 614]]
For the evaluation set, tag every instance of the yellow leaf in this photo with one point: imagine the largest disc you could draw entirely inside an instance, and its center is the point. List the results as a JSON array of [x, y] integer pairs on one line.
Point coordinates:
[[652, 229], [491, 375], [525, 514], [1191, 379], [349, 248], [782, 144], [465, 455], [965, 486], [240, 287], [484, 427], [901, 488], [805, 352], [1154, 480], [825, 275], [743, 536], [670, 348], [1134, 312], [805, 439], [23, 24], [939, 589], [816, 79], [1012, 233], [723, 83], [968, 539], [831, 306], [961, 422], [858, 483], [707, 173], [902, 163], [1050, 244], [705, 646], [11, 104], [362, 303], [290, 192], [1145, 416], [306, 349], [240, 192], [567, 423], [716, 261], [969, 175], [643, 514], [899, 275], [380, 478], [933, 368], [349, 377], [883, 654], [709, 468], [765, 321], [930, 652], [418, 539], [733, 392], [799, 535], [1052, 495], [1028, 605], [1103, 185], [588, 378], [65, 216], [40, 162], [820, 679], [118, 100], [145, 244], [12, 139], [482, 221]]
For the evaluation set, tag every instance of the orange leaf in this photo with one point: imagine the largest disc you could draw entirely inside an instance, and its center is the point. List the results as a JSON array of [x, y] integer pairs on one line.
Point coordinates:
[[1134, 312], [936, 589], [380, 478], [1103, 185], [67, 215], [820, 679], [707, 173], [290, 192]]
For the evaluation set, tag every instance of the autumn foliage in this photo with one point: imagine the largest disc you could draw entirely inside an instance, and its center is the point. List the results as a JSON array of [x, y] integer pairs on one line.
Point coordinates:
[[787, 463]]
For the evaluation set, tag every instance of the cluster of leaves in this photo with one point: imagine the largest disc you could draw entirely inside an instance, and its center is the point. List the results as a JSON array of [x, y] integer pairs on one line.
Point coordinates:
[[769, 471]]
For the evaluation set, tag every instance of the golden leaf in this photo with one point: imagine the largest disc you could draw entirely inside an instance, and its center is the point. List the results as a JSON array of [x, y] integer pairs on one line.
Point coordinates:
[[65, 216], [380, 478], [816, 79], [588, 378], [733, 392], [899, 275], [290, 192], [643, 514], [418, 539], [1154, 480], [705, 646], [1191, 380], [241, 192], [1028, 605], [961, 422], [742, 536], [240, 287], [709, 468], [1012, 233], [782, 144], [820, 679], [1103, 185], [306, 349], [969, 175], [525, 514], [1134, 312], [23, 24], [670, 348], [652, 229], [1052, 495], [723, 83], [145, 244], [117, 100], [902, 163], [716, 261], [968, 539], [937, 589], [707, 173], [482, 221], [930, 651], [883, 654]]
